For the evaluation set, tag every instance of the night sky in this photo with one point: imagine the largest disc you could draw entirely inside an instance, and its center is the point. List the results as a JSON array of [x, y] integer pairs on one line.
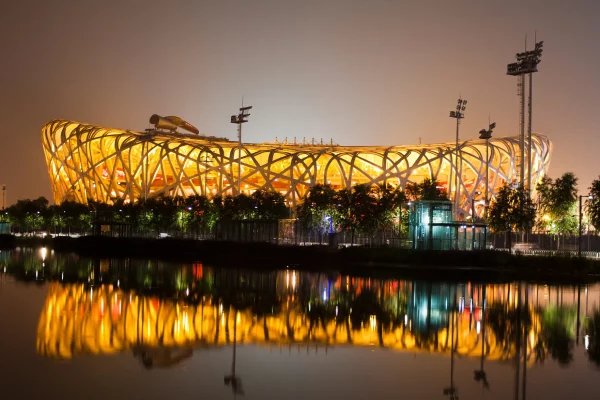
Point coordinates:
[[358, 72]]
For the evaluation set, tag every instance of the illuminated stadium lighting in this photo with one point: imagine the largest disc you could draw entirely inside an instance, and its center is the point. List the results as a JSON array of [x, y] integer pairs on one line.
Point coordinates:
[[527, 63], [104, 164], [487, 135], [239, 119], [459, 114]]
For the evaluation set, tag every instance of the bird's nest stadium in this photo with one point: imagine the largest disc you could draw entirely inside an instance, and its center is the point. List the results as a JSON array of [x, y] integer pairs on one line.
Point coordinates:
[[103, 164]]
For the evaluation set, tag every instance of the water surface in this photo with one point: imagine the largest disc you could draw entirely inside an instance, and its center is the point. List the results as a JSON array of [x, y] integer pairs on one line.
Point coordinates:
[[144, 329]]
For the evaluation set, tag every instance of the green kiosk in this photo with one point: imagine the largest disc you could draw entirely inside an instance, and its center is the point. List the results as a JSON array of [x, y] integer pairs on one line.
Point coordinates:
[[431, 227]]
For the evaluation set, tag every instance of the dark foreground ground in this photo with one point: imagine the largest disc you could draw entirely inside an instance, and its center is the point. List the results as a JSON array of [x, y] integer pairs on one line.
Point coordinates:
[[472, 265]]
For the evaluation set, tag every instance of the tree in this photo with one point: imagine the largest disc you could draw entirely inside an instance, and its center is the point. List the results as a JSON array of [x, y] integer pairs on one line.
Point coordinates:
[[511, 210], [69, 215], [429, 189], [593, 205], [393, 205], [29, 214], [359, 209], [203, 213], [319, 203], [558, 204], [268, 205]]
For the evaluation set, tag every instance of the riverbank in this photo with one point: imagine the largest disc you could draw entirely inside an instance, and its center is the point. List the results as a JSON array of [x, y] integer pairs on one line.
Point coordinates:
[[469, 265]]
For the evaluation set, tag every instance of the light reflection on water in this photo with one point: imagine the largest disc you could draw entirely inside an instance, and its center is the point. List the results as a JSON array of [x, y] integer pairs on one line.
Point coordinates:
[[490, 340]]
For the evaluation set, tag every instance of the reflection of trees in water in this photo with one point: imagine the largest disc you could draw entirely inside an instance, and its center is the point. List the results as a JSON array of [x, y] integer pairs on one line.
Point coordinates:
[[557, 334], [364, 307], [505, 324], [359, 311], [593, 338]]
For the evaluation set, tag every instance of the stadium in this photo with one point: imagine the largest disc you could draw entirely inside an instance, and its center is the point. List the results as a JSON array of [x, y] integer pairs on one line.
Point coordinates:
[[87, 162]]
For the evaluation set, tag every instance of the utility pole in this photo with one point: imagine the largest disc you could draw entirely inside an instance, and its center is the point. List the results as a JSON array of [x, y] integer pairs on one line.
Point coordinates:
[[239, 120]]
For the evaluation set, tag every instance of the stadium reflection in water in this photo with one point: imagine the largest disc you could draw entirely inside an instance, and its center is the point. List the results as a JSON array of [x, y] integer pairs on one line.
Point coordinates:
[[161, 312]]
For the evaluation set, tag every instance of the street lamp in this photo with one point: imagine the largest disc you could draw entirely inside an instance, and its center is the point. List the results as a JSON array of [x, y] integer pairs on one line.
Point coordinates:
[[487, 135], [459, 114], [239, 120], [3, 197], [590, 197]]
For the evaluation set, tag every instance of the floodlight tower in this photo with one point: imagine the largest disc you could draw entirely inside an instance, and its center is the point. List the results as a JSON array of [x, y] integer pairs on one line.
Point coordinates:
[[239, 120], [459, 114], [526, 64], [487, 135]]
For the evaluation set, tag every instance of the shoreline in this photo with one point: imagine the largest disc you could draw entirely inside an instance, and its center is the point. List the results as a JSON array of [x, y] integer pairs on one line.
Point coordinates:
[[482, 265]]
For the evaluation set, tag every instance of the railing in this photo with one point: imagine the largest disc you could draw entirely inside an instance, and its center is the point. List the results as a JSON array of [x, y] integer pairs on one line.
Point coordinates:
[[553, 253]]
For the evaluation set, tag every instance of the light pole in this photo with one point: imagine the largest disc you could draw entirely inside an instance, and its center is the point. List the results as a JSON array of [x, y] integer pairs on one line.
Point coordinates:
[[459, 114], [487, 135], [3, 197], [239, 120], [526, 64], [590, 197]]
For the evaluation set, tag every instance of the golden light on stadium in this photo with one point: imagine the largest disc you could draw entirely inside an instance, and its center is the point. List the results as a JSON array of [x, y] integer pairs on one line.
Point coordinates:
[[103, 164]]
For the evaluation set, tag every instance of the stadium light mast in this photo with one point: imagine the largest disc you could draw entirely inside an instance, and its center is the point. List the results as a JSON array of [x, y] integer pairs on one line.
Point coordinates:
[[239, 120], [459, 114], [526, 64], [487, 135]]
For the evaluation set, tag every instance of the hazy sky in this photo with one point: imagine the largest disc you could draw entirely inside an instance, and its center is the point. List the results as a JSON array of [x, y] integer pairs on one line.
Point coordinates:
[[358, 72]]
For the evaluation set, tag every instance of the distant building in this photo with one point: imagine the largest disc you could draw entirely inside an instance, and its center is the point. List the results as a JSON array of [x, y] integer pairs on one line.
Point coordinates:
[[104, 164]]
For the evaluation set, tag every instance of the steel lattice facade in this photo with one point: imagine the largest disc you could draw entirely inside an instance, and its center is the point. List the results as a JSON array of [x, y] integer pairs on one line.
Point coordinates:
[[104, 164]]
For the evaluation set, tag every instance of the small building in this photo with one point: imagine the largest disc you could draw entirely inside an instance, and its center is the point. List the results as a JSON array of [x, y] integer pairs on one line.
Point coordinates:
[[431, 228]]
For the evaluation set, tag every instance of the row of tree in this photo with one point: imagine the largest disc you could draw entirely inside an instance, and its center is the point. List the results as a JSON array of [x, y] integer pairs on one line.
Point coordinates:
[[155, 214], [555, 210], [363, 208]]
